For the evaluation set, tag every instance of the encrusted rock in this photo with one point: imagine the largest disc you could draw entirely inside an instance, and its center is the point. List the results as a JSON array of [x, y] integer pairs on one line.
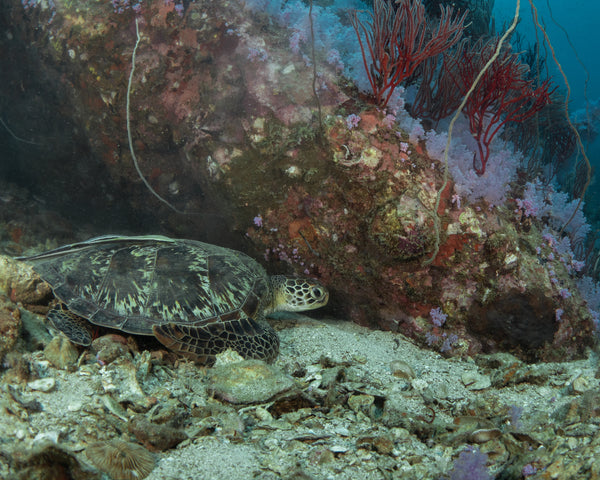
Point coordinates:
[[10, 322], [402, 369], [110, 347], [155, 437], [516, 318], [21, 283], [475, 381], [39, 461], [250, 381], [60, 352], [119, 379], [581, 384], [401, 229], [361, 403], [383, 444], [227, 357]]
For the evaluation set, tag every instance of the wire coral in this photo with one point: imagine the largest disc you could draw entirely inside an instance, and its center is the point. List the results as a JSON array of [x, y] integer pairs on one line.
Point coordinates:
[[399, 39]]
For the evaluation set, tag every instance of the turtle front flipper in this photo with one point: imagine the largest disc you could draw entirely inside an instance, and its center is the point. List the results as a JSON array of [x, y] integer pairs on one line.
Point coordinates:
[[76, 328], [201, 342]]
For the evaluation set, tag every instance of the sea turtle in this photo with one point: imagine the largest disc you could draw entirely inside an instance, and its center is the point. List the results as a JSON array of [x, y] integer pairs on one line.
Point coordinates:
[[197, 299]]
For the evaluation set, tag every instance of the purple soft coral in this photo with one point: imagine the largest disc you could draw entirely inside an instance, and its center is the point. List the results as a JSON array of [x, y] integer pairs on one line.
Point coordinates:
[[437, 316], [470, 465]]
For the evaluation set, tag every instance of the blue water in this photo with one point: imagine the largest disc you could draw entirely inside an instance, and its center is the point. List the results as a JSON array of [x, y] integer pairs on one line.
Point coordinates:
[[572, 26], [579, 18]]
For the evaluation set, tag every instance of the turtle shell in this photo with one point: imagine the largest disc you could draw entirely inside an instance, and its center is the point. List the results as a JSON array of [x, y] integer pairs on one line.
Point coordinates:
[[135, 283]]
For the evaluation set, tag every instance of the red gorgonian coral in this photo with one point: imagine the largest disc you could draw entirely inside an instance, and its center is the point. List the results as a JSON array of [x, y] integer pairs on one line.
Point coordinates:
[[398, 39], [503, 94]]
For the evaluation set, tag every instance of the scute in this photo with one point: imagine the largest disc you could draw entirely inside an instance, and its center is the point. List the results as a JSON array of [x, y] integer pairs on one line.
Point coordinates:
[[136, 283]]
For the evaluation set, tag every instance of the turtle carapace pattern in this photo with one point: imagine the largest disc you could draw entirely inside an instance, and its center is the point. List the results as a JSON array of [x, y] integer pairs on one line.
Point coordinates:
[[197, 299]]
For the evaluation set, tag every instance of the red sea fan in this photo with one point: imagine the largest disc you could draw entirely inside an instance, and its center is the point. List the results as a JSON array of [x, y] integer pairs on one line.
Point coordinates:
[[398, 39], [502, 95]]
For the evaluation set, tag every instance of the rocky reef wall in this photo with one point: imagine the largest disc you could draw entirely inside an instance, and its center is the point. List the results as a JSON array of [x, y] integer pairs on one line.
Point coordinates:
[[249, 149]]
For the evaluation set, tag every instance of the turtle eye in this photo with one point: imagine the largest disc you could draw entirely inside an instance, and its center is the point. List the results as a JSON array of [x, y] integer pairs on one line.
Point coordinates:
[[317, 292]]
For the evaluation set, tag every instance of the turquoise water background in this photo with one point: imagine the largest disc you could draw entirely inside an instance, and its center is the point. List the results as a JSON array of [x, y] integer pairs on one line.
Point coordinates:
[[579, 19]]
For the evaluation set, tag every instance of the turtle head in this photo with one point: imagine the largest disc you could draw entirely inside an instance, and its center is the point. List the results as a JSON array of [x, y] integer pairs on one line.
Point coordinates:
[[294, 294]]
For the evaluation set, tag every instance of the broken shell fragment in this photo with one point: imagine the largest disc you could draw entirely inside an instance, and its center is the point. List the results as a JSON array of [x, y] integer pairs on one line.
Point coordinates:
[[483, 435], [42, 384]]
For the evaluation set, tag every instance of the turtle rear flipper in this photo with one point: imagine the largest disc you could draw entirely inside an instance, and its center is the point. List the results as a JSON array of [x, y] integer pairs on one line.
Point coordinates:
[[76, 328], [201, 342]]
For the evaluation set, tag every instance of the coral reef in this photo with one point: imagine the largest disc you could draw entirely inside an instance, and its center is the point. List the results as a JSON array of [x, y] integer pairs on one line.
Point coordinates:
[[478, 362], [226, 127]]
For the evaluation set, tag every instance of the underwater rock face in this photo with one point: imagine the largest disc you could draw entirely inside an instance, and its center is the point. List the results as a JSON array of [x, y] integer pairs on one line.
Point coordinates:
[[20, 284], [402, 229], [516, 319], [226, 126], [10, 323]]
